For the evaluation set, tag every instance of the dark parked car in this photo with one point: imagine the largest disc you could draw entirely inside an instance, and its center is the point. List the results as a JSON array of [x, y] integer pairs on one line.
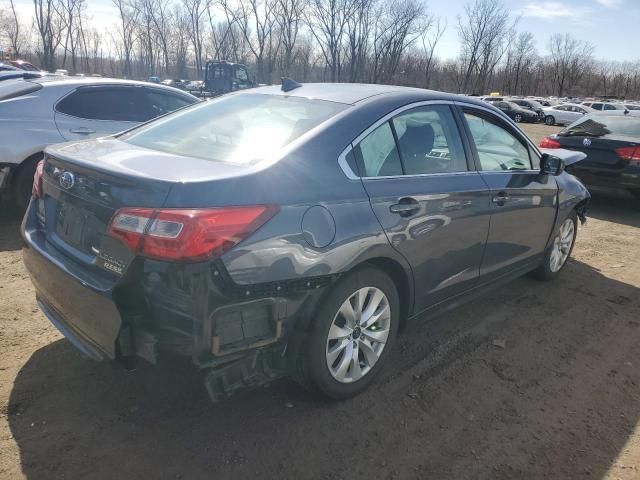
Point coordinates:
[[516, 112], [269, 232], [612, 145], [530, 105]]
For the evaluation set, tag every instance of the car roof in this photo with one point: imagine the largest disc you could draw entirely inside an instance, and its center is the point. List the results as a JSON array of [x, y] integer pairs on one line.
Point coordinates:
[[352, 93], [56, 80]]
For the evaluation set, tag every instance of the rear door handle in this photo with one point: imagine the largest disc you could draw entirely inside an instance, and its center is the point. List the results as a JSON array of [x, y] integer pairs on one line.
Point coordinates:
[[500, 198], [82, 130], [405, 207]]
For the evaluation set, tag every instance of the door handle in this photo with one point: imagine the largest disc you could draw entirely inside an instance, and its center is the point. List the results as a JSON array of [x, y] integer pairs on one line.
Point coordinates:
[[82, 130], [405, 207], [500, 198]]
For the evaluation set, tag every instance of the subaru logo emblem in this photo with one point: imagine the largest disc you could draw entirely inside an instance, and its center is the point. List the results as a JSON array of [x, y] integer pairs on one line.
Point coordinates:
[[586, 142], [66, 180]]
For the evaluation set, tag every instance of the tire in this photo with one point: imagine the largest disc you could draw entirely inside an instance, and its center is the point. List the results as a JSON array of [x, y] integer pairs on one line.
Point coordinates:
[[549, 120], [549, 269], [517, 118], [324, 361], [23, 182]]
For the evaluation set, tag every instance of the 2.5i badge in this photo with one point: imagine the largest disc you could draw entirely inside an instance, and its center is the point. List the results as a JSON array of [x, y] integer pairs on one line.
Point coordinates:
[[110, 263]]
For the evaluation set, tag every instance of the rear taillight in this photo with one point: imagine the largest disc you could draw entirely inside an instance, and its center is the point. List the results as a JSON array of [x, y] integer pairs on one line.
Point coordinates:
[[549, 143], [36, 189], [187, 234], [632, 154]]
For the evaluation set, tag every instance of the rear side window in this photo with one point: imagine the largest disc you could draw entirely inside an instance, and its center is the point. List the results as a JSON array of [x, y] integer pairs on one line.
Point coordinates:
[[161, 103], [120, 104], [429, 141], [498, 149], [609, 107], [379, 154]]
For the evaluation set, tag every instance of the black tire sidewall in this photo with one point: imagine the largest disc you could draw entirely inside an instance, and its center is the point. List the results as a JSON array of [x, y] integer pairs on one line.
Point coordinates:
[[316, 344], [23, 182]]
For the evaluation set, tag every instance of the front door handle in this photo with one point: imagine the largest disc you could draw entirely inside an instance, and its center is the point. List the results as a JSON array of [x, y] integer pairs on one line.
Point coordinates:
[[500, 198], [82, 130], [405, 207]]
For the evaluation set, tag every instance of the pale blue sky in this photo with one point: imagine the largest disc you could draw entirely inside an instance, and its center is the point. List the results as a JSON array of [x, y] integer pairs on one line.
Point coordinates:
[[610, 25]]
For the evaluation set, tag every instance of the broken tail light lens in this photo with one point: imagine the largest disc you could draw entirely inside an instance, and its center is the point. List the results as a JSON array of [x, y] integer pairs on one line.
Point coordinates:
[[36, 189], [549, 143], [187, 234]]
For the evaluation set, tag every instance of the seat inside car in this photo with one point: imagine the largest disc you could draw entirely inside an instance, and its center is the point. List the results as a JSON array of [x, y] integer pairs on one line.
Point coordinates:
[[416, 144]]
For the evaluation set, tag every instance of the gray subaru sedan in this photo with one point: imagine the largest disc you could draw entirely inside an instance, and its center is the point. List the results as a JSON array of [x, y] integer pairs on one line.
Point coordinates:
[[291, 230]]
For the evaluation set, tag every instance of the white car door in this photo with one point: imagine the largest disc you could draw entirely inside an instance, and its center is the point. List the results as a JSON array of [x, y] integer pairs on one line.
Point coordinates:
[[99, 110]]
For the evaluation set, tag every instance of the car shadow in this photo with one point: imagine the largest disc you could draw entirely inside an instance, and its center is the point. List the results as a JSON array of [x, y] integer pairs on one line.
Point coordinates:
[[10, 239], [73, 418], [614, 209]]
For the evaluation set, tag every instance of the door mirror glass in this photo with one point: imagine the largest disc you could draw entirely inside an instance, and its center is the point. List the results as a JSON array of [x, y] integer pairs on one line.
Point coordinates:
[[551, 165]]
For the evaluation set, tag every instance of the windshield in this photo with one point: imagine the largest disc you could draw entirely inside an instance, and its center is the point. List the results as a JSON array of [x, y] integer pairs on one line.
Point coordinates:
[[239, 129], [535, 104], [599, 125]]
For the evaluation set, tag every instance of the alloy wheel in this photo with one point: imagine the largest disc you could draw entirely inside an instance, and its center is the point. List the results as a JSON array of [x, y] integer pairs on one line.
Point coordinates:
[[518, 118], [562, 245], [358, 334], [549, 120]]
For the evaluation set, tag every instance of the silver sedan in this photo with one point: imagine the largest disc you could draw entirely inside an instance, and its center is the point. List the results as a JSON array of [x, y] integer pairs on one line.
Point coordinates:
[[565, 114]]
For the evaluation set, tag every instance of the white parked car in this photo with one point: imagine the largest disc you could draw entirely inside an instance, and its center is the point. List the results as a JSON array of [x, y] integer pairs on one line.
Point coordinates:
[[565, 114], [602, 106], [39, 112]]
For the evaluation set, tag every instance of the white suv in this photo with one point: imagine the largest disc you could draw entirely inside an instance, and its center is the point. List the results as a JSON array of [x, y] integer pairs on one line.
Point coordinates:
[[40, 112]]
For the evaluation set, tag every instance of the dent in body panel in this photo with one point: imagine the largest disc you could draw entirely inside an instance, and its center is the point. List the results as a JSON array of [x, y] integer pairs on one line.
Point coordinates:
[[280, 251], [571, 192]]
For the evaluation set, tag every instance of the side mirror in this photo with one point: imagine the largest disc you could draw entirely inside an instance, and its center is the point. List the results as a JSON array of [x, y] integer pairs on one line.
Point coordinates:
[[551, 165]]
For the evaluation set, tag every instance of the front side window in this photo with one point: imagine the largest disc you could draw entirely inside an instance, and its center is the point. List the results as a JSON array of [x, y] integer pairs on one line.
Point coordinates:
[[597, 106], [609, 107], [118, 104], [378, 153], [429, 141], [238, 129], [498, 149]]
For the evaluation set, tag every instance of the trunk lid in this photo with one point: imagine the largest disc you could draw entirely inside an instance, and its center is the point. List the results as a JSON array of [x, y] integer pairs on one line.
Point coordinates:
[[85, 183], [600, 151]]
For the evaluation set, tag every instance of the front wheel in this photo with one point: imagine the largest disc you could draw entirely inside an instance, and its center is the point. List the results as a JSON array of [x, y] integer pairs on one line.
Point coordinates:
[[352, 334], [549, 120], [517, 118], [560, 249]]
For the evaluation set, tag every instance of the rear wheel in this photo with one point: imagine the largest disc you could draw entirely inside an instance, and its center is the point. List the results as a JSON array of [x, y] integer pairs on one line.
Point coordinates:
[[352, 334], [517, 118], [560, 249], [549, 120], [23, 182]]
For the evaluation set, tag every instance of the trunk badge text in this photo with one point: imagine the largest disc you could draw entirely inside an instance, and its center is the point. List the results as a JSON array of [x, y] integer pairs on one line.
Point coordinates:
[[67, 180]]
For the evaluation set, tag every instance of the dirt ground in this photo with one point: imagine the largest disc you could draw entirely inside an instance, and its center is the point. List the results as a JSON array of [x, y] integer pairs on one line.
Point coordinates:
[[559, 399]]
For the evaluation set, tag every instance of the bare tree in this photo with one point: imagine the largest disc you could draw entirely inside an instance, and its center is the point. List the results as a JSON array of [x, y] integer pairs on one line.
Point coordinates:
[[429, 43], [49, 26], [483, 34], [12, 28], [569, 59], [327, 20], [128, 22], [194, 10], [288, 17]]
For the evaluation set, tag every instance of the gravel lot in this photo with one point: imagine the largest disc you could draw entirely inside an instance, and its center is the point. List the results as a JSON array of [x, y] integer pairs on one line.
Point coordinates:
[[560, 400]]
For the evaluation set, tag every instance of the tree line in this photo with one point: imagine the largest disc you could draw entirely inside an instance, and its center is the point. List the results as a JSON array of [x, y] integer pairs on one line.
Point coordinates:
[[371, 41]]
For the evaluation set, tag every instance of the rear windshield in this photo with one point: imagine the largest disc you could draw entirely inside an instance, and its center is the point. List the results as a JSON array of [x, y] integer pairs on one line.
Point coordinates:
[[239, 129], [16, 88], [599, 125]]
